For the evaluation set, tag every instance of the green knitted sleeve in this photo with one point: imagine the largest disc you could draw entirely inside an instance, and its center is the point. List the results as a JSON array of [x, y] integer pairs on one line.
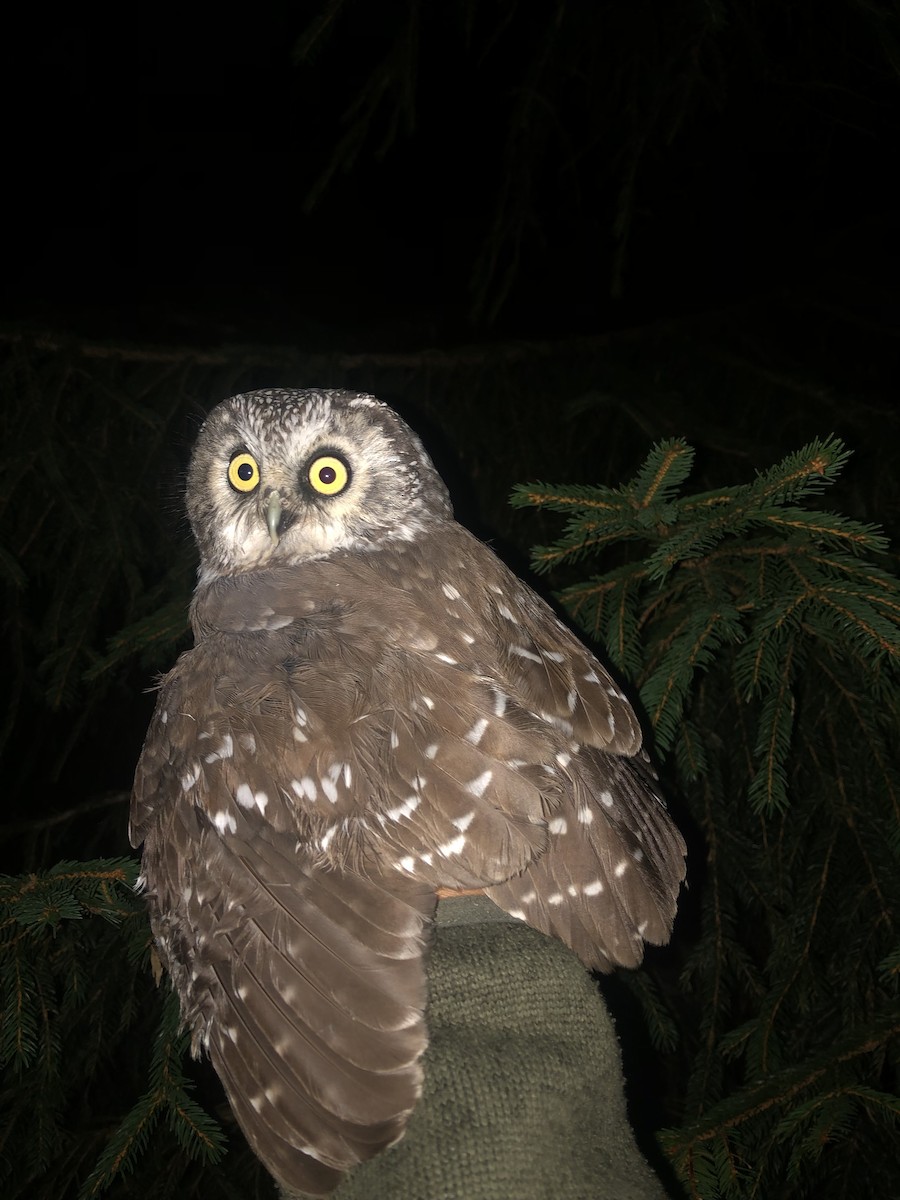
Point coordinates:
[[523, 1094]]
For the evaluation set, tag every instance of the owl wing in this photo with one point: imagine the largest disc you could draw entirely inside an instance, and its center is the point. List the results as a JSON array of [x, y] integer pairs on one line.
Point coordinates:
[[536, 785], [614, 861], [470, 740], [304, 979], [610, 876]]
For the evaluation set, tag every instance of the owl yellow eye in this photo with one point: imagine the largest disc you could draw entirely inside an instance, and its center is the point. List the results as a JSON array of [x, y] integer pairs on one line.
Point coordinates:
[[328, 475], [243, 472]]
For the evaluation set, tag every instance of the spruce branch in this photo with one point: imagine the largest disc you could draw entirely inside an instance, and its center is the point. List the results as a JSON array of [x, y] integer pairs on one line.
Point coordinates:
[[168, 1098], [163, 628], [775, 1093], [62, 1025], [762, 634], [34, 978]]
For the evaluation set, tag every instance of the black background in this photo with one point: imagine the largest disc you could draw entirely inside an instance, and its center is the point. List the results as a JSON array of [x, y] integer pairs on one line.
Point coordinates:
[[158, 163]]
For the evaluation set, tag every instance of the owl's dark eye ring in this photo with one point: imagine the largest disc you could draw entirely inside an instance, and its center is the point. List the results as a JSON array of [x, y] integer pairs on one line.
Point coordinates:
[[243, 472], [328, 475]]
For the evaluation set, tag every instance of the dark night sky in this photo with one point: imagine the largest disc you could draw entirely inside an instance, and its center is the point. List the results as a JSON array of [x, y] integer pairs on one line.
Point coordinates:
[[160, 165]]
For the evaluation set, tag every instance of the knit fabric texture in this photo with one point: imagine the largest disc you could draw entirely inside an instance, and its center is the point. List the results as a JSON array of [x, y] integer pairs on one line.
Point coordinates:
[[523, 1096]]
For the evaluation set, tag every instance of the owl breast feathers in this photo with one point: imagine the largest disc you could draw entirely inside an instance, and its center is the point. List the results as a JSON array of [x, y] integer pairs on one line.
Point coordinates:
[[374, 708]]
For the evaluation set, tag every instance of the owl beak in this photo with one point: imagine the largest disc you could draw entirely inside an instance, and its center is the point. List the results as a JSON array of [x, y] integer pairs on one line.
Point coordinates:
[[273, 515]]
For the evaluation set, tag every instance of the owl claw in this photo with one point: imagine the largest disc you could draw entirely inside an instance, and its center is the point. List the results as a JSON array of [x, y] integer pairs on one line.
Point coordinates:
[[273, 515]]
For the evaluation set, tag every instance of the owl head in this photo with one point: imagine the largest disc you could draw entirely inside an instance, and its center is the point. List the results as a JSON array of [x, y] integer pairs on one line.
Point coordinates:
[[282, 476]]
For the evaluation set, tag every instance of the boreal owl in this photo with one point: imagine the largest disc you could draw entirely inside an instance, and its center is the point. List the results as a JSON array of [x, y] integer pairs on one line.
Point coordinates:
[[375, 708]]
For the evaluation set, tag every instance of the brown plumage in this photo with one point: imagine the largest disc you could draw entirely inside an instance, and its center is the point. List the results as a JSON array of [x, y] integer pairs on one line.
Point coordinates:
[[374, 708]]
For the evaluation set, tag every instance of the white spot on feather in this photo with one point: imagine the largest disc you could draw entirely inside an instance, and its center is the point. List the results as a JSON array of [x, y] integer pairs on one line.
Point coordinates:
[[606, 799], [308, 788], [522, 652], [556, 899], [226, 750], [330, 790], [405, 809], [558, 825], [326, 838], [431, 751], [454, 846], [621, 868], [591, 677], [585, 814], [450, 591], [476, 733], [506, 613], [224, 822], [188, 780], [463, 823], [447, 659], [478, 785], [594, 888]]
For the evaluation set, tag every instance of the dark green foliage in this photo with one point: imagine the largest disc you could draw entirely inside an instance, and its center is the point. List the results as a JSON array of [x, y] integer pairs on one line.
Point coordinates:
[[764, 636], [168, 1098], [83, 1022], [63, 1027]]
